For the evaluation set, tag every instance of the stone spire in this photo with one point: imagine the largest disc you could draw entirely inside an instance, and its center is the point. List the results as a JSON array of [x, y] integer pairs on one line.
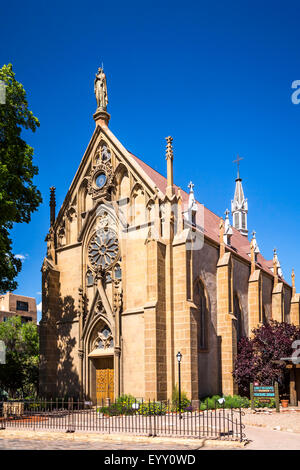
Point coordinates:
[[190, 214], [52, 205], [169, 158], [239, 206], [227, 229], [254, 251], [275, 259], [277, 271], [293, 283], [221, 237]]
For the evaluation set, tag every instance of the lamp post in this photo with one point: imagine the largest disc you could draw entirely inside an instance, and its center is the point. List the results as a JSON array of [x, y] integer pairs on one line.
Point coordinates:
[[179, 357]]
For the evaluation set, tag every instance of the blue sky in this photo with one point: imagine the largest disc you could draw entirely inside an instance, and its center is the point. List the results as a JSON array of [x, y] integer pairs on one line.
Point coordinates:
[[215, 75]]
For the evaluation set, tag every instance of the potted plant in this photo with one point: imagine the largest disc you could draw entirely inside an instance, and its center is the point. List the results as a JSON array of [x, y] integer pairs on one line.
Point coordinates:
[[284, 401]]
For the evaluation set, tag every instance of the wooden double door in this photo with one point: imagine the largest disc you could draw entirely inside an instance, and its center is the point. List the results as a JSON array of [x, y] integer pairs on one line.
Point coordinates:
[[104, 379]]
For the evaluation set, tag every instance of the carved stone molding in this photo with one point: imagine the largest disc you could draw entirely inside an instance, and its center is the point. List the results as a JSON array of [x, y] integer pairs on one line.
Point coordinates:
[[97, 187]]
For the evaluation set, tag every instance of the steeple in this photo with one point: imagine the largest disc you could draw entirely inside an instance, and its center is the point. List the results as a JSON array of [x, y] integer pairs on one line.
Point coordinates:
[[239, 205]]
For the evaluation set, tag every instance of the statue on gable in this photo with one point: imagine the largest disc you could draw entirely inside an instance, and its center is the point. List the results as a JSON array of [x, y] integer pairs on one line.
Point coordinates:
[[100, 90]]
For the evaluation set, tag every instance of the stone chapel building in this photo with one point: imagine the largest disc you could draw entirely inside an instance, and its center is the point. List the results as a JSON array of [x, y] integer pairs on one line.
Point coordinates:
[[137, 270]]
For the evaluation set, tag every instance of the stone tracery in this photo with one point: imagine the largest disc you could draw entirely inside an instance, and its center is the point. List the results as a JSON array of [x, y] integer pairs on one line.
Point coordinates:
[[104, 339], [103, 249]]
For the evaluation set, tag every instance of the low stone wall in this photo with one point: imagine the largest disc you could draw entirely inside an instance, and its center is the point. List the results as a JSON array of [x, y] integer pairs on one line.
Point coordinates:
[[14, 408]]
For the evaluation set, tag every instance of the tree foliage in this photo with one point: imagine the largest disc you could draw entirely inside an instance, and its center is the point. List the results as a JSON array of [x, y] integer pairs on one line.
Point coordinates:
[[20, 373], [258, 358], [19, 197]]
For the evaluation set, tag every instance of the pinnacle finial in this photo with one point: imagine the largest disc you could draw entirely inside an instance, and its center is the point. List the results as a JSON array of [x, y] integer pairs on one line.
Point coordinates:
[[52, 205], [191, 187], [293, 283], [169, 158], [221, 237], [169, 148]]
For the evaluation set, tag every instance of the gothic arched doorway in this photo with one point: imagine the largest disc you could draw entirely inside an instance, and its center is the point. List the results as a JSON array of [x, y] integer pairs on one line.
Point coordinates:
[[101, 364]]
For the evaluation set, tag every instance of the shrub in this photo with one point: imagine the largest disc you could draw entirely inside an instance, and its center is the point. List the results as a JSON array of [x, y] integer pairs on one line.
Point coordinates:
[[184, 401], [258, 404], [116, 409], [152, 408], [234, 401], [126, 400]]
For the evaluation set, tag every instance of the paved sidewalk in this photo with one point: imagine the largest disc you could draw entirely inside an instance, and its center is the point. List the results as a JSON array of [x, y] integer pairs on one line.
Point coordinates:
[[37, 440], [285, 420], [267, 439]]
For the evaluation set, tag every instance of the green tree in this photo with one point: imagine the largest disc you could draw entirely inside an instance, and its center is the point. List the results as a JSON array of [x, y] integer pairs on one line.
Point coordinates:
[[20, 373], [19, 197]]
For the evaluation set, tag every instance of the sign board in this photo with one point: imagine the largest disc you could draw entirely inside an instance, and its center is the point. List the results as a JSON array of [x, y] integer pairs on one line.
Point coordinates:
[[263, 391], [2, 352], [264, 394]]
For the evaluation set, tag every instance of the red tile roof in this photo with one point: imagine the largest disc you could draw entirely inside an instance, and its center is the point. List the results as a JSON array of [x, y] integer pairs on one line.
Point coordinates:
[[240, 243]]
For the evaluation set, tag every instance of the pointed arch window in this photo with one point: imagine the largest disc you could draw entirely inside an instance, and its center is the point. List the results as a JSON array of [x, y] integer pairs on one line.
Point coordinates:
[[264, 316], [239, 318], [236, 220], [202, 323], [243, 220], [118, 272], [89, 279]]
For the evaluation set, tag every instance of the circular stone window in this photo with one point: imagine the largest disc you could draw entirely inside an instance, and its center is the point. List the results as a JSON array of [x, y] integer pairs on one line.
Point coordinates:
[[100, 180], [103, 249]]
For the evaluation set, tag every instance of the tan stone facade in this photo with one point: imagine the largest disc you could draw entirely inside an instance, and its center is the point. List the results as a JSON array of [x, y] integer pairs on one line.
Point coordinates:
[[128, 281]]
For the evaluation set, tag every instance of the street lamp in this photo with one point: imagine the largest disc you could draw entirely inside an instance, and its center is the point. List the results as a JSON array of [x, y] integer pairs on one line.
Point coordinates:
[[179, 357]]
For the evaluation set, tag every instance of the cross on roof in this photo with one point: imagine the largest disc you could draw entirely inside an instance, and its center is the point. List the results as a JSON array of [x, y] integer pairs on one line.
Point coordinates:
[[191, 186], [237, 161]]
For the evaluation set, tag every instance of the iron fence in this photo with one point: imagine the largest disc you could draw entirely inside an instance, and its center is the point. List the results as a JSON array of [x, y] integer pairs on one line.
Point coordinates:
[[147, 418]]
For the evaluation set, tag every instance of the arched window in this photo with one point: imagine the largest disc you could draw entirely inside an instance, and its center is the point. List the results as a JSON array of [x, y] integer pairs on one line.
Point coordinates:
[[118, 272], [244, 220], [236, 220], [200, 300], [264, 316], [89, 279], [239, 318]]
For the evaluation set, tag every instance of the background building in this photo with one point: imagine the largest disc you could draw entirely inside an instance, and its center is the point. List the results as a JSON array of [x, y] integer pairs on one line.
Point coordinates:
[[20, 305]]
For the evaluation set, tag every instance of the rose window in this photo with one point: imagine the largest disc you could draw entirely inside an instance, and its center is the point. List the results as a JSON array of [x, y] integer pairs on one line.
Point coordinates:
[[103, 249]]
